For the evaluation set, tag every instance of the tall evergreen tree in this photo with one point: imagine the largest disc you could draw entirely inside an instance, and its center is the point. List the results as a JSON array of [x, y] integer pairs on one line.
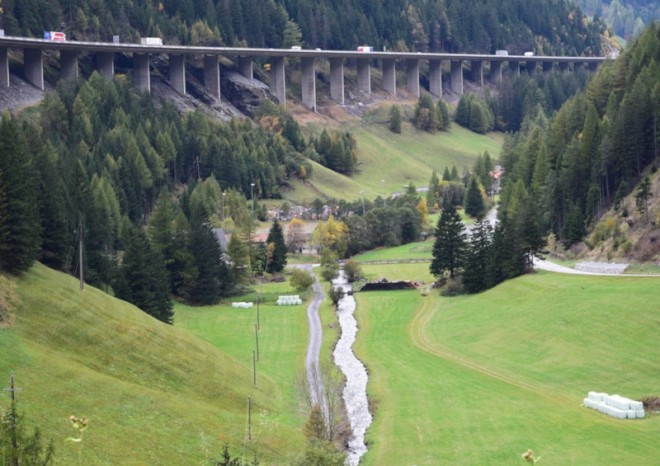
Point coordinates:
[[142, 277], [277, 259], [475, 274], [21, 214], [215, 279], [474, 202], [395, 119], [449, 245]]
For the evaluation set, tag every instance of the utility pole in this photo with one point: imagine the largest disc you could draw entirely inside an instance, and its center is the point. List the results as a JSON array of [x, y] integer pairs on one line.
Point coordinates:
[[250, 230], [256, 338], [80, 255], [14, 442], [254, 369], [249, 418]]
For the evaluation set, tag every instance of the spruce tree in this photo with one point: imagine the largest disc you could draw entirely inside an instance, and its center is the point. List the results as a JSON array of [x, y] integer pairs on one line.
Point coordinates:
[[474, 202], [642, 197], [475, 274], [142, 277], [463, 111], [21, 213], [56, 245], [449, 245], [395, 119], [277, 260]]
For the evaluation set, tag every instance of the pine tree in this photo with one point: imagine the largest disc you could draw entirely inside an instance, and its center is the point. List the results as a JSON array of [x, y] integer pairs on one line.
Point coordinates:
[[475, 274], [215, 279], [395, 119], [474, 202], [142, 277], [21, 213], [55, 223], [277, 261], [463, 111], [443, 115], [642, 197], [449, 245]]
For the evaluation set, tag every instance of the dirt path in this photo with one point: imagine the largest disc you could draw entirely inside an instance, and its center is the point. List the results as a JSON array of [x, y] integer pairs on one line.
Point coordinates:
[[314, 346]]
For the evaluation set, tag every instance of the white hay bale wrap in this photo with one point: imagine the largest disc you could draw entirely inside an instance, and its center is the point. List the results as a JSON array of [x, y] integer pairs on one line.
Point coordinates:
[[616, 406]]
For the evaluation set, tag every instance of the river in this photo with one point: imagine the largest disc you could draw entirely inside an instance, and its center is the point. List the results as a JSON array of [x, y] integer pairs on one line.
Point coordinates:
[[355, 391]]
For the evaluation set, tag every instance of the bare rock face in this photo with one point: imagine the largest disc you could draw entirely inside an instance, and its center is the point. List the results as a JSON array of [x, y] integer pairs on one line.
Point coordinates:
[[244, 93]]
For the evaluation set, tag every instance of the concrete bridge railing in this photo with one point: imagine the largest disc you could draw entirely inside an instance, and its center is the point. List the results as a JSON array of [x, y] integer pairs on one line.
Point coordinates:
[[104, 52]]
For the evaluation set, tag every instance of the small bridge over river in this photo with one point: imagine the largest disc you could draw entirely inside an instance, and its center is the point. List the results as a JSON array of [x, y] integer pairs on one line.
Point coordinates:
[[104, 55]]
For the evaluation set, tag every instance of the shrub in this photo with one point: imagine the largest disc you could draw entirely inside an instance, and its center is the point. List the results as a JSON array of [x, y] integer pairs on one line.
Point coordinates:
[[352, 270], [454, 287], [301, 280], [335, 294]]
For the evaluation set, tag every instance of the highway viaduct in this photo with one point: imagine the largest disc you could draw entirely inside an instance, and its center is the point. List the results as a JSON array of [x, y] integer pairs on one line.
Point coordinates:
[[104, 52]]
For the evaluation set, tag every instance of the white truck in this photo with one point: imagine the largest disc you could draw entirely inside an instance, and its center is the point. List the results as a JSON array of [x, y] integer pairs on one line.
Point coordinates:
[[151, 41]]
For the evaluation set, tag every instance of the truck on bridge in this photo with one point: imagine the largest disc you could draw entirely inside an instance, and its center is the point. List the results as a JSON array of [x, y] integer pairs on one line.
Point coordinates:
[[54, 35]]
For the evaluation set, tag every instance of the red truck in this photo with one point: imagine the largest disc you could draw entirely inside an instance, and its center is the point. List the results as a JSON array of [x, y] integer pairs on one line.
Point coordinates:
[[54, 35]]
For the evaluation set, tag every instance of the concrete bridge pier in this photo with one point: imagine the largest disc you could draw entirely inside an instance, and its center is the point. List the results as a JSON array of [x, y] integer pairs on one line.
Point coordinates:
[[435, 78], [531, 67], [105, 64], [68, 64], [364, 75], [389, 75], [495, 72], [245, 67], [457, 76], [308, 82], [278, 79], [563, 66], [477, 72], [178, 73], [141, 75], [412, 76], [4, 67], [212, 75], [547, 66], [337, 80], [34, 67]]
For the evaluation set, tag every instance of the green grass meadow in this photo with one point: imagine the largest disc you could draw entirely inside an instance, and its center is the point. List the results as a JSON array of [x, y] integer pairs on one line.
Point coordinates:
[[389, 161], [154, 393], [477, 380]]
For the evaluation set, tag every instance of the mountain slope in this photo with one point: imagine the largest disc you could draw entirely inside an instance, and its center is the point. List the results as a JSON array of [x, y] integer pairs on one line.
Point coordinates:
[[154, 394]]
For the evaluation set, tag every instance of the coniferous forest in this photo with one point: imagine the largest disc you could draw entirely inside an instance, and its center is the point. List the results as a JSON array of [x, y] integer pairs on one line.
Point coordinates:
[[550, 27]]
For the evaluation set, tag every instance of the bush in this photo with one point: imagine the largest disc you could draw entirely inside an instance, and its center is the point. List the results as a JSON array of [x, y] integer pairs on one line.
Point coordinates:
[[454, 287], [352, 270], [301, 280], [335, 294]]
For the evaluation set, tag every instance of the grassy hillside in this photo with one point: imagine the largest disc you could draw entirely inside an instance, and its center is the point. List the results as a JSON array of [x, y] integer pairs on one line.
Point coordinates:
[[154, 394], [480, 379], [390, 161]]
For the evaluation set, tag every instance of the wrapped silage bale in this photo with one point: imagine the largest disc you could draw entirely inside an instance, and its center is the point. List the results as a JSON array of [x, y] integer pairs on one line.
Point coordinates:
[[639, 413], [620, 413], [636, 405], [619, 402], [631, 414], [595, 396]]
